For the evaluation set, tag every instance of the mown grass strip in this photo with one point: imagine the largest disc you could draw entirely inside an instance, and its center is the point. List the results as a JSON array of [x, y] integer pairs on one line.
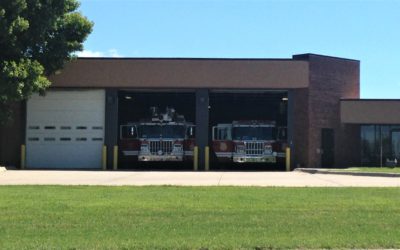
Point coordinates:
[[374, 169], [81, 217]]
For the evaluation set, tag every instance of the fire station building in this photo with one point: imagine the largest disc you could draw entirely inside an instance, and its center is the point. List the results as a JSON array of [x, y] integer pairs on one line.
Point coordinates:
[[316, 98]]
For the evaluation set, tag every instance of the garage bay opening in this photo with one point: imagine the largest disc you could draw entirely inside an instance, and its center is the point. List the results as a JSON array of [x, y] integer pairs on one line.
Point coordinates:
[[156, 130], [248, 130]]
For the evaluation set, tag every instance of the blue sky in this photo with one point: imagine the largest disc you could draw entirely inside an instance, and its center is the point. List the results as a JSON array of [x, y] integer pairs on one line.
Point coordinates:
[[368, 31]]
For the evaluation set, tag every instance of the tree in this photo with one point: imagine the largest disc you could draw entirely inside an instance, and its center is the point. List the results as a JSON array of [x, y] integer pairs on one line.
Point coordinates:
[[37, 37]]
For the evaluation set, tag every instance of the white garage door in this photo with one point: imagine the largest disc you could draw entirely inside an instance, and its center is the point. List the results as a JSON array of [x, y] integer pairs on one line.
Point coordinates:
[[65, 129]]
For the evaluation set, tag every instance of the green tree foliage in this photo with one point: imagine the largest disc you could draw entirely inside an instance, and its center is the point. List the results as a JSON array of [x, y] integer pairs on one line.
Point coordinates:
[[36, 38]]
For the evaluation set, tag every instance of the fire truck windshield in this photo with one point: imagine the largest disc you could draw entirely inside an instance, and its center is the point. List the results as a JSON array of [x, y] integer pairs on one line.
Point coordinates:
[[162, 131], [253, 133]]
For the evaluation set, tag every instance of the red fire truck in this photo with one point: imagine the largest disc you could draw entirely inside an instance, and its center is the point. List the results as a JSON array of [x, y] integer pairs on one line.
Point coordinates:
[[163, 137], [249, 141]]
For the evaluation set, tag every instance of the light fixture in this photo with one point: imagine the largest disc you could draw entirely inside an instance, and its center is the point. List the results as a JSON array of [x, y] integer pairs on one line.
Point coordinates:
[[128, 97], [284, 99]]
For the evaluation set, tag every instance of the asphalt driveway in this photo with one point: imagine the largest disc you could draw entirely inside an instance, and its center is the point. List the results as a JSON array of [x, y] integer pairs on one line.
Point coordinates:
[[118, 178]]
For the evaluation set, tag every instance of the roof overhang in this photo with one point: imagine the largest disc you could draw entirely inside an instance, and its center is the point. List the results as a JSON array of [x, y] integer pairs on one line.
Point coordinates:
[[184, 73], [370, 111]]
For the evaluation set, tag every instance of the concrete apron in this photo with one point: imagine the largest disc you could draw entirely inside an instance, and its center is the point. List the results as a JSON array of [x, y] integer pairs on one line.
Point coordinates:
[[261, 179], [338, 171]]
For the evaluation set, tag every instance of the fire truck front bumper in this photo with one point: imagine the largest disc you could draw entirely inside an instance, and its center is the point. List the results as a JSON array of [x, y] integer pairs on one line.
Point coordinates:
[[255, 159], [160, 157]]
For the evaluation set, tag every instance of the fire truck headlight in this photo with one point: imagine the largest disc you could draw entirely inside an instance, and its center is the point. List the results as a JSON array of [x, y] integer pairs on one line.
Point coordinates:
[[240, 149], [177, 147], [268, 149], [144, 148]]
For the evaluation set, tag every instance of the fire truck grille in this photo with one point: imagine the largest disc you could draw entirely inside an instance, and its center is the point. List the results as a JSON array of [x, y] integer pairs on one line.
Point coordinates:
[[254, 148], [161, 146]]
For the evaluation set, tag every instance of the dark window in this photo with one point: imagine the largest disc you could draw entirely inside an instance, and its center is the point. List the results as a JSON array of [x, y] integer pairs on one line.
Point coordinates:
[[378, 143], [253, 133], [368, 141]]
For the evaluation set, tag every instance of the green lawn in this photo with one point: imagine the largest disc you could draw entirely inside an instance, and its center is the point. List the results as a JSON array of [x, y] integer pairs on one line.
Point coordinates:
[[372, 169], [62, 217]]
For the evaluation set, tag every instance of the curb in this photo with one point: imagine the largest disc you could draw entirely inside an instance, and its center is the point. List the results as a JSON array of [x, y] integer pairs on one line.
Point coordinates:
[[323, 171]]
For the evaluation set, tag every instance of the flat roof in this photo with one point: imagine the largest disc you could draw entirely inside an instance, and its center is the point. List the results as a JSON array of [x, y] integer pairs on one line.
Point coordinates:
[[296, 57]]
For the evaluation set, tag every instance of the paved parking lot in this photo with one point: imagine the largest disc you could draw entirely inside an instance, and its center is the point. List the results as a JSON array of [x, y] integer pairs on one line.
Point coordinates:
[[117, 178]]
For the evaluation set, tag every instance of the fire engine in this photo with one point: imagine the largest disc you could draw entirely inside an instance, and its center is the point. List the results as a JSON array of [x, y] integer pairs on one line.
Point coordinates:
[[249, 141], [162, 137]]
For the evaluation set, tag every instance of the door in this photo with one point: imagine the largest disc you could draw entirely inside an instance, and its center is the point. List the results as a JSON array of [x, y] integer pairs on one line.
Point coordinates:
[[222, 141], [396, 144], [65, 129], [222, 132], [327, 146]]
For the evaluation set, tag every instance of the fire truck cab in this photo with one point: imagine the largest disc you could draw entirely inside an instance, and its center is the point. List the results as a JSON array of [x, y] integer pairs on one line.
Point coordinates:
[[249, 141], [163, 137]]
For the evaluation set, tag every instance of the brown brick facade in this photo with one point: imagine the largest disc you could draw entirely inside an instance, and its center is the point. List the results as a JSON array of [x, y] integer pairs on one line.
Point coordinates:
[[322, 82], [330, 80]]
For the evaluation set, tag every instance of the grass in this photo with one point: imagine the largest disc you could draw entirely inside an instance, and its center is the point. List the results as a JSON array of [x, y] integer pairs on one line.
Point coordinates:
[[372, 169], [81, 217]]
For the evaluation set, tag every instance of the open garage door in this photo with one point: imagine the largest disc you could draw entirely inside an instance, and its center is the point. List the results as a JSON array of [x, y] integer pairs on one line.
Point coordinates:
[[65, 129], [248, 129], [156, 129]]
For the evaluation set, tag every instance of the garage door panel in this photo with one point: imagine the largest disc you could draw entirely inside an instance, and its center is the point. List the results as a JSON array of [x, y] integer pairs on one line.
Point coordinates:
[[65, 117], [65, 156], [65, 105], [65, 129]]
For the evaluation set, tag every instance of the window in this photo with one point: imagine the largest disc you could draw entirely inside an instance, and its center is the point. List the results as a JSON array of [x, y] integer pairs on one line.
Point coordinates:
[[222, 132], [378, 143]]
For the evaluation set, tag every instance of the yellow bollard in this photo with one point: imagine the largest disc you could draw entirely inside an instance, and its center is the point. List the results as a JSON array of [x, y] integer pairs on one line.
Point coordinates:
[[115, 158], [288, 159], [207, 158], [23, 156], [196, 158], [104, 158]]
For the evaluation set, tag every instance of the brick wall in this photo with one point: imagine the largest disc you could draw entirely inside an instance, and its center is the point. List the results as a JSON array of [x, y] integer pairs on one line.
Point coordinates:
[[330, 80], [300, 127]]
